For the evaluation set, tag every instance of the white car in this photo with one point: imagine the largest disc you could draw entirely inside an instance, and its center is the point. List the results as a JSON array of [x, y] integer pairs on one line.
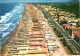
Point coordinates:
[[48, 34]]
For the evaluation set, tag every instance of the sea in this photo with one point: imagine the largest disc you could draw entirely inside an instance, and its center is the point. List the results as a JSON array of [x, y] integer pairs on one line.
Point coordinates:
[[10, 15]]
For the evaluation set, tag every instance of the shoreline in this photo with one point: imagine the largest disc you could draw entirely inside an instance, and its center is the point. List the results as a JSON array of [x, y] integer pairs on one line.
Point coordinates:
[[4, 48], [12, 31]]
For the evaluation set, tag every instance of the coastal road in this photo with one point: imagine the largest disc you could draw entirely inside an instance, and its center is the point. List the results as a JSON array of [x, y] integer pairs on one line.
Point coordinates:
[[67, 37]]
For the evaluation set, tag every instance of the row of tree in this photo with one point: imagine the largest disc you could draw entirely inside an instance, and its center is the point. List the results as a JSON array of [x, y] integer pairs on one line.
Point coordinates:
[[68, 7]]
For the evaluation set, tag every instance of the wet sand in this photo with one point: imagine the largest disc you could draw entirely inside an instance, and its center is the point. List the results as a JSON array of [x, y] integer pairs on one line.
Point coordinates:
[[4, 50]]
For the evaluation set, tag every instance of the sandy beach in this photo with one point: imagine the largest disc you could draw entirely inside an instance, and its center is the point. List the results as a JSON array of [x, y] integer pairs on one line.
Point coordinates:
[[4, 50]]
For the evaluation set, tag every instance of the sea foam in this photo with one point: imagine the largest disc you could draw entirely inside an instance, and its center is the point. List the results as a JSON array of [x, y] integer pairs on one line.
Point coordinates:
[[9, 22]]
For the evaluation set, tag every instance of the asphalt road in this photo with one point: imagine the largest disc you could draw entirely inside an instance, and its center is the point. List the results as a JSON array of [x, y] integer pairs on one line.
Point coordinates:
[[68, 38]]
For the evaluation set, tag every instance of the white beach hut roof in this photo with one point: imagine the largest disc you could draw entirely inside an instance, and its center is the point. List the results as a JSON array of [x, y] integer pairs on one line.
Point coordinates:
[[51, 44]]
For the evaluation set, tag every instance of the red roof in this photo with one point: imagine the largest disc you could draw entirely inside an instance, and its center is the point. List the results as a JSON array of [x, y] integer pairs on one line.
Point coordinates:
[[40, 39], [38, 45], [73, 28], [43, 24], [66, 25], [47, 55], [77, 34]]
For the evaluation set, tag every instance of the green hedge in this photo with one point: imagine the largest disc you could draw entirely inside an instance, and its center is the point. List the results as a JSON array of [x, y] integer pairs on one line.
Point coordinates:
[[66, 45]]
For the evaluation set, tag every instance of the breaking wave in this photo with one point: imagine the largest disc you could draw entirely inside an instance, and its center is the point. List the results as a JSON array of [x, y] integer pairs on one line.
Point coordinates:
[[9, 22]]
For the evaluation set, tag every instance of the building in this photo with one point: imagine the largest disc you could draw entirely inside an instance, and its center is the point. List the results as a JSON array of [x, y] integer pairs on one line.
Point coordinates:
[[71, 30], [77, 37]]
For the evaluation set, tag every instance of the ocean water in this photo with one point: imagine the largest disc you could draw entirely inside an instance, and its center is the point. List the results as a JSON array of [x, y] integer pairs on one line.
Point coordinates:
[[35, 1], [10, 15]]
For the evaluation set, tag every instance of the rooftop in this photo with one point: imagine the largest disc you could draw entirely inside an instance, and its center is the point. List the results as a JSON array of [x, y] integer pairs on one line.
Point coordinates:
[[44, 45], [38, 39], [61, 14], [42, 51], [77, 18], [77, 34], [70, 27]]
